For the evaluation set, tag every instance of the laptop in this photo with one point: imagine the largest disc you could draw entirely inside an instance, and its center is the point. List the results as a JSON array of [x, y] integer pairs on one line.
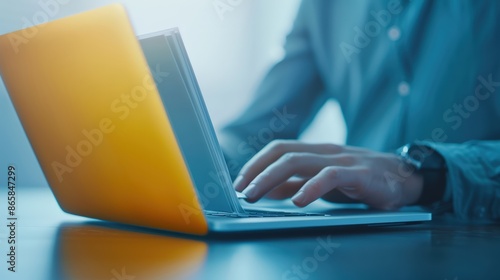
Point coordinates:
[[121, 132]]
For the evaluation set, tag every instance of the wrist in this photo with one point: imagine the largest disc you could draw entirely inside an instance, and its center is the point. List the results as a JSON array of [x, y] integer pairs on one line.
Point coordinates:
[[430, 167], [412, 187]]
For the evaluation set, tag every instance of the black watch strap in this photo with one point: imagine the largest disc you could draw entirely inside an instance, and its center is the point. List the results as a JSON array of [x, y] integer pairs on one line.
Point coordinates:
[[431, 165], [433, 187]]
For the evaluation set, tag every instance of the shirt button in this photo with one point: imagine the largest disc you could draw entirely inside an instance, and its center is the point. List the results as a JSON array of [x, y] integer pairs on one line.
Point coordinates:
[[403, 88], [394, 33]]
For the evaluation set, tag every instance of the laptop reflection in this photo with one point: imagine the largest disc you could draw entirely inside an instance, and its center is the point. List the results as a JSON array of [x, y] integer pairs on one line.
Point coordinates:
[[91, 251]]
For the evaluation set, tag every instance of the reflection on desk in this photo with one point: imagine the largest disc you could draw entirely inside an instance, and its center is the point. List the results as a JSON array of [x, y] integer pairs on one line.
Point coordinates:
[[96, 252], [101, 250]]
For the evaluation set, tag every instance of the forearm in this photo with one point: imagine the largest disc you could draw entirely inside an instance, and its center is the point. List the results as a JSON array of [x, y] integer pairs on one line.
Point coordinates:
[[473, 178]]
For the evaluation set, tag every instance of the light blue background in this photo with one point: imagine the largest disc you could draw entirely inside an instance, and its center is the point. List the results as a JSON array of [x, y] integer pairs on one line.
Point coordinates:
[[241, 42]]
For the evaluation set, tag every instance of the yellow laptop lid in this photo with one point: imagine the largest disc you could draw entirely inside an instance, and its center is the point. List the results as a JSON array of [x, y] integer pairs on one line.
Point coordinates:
[[91, 110]]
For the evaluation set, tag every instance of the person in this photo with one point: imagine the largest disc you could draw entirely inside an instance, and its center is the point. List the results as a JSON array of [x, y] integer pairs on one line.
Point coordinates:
[[418, 83]]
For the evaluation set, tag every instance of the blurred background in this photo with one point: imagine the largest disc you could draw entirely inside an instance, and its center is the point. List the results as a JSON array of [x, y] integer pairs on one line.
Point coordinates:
[[231, 45]]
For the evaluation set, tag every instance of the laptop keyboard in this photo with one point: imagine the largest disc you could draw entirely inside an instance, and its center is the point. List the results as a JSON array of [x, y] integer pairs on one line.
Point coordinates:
[[262, 214]]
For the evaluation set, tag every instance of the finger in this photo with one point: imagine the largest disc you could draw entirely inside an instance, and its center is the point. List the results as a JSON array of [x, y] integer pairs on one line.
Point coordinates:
[[328, 179], [280, 171], [301, 164], [273, 152], [287, 189]]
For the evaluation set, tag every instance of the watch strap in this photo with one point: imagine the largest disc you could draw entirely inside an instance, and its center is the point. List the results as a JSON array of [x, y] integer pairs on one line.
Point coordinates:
[[434, 185], [431, 165]]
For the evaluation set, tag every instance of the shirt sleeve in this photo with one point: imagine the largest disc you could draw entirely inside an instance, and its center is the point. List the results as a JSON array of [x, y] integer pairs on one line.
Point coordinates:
[[284, 104], [473, 178]]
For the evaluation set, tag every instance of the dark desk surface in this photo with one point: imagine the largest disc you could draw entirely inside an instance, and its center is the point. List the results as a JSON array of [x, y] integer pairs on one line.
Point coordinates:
[[54, 245]]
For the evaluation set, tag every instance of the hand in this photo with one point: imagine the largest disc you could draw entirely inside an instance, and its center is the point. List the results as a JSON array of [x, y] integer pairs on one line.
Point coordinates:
[[310, 171]]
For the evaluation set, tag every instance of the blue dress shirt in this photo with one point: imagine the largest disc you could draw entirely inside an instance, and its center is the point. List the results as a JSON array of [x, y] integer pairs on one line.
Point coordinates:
[[402, 71]]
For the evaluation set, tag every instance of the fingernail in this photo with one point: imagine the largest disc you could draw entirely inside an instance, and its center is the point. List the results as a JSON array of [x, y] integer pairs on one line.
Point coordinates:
[[237, 183], [250, 191], [299, 199]]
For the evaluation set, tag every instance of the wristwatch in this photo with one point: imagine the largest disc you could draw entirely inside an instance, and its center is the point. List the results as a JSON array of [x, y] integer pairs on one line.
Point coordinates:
[[431, 165]]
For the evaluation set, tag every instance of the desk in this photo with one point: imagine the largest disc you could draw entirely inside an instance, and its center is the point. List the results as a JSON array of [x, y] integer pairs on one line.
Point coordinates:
[[54, 245]]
